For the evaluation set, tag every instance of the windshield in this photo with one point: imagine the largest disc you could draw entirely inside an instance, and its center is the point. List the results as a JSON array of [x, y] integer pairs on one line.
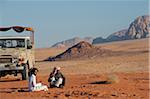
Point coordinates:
[[12, 43]]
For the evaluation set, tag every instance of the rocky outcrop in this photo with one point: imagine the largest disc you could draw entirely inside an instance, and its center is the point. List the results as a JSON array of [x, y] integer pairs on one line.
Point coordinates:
[[82, 50], [139, 28], [71, 42]]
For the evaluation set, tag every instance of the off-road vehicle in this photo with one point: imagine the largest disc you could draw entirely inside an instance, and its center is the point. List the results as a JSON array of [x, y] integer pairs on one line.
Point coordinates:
[[16, 52]]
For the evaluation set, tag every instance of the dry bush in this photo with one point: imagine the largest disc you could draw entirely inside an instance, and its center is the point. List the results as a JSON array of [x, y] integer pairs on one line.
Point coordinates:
[[112, 78]]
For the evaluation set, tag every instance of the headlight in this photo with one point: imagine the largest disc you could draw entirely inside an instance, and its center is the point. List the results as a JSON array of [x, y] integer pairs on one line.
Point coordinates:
[[21, 59], [15, 60]]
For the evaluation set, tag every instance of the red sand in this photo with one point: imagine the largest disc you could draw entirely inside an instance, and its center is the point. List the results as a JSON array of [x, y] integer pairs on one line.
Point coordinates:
[[87, 79], [129, 86]]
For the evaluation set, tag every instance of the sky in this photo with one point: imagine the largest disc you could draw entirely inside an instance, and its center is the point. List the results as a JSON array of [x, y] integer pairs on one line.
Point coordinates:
[[58, 20]]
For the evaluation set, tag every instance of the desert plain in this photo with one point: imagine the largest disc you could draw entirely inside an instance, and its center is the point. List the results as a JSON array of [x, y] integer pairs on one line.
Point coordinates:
[[121, 76]]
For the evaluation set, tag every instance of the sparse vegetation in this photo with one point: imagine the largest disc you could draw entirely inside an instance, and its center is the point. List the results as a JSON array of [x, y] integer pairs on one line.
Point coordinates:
[[112, 78]]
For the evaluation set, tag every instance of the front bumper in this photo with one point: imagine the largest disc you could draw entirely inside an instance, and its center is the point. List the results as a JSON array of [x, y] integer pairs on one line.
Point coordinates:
[[10, 67]]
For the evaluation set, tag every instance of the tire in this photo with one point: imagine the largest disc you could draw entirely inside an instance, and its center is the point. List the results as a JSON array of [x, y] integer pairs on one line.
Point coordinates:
[[25, 72]]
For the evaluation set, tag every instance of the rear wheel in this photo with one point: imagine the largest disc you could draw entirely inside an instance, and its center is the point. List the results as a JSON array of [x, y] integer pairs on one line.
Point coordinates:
[[25, 72]]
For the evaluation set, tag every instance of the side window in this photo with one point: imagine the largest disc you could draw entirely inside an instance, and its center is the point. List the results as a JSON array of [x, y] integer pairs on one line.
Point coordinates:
[[1, 43], [8, 43], [20, 43], [14, 43], [29, 44]]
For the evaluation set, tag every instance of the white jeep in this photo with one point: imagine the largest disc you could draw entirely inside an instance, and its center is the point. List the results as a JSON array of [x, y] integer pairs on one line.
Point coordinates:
[[16, 55]]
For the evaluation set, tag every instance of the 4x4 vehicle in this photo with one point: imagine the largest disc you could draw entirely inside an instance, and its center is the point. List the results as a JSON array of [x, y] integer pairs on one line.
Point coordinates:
[[16, 52]]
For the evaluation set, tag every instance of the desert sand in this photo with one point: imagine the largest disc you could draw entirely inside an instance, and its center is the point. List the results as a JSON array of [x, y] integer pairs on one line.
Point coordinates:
[[121, 76]]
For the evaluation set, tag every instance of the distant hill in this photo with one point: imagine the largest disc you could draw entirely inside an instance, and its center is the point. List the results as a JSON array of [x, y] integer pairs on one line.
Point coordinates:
[[71, 42], [82, 50], [117, 36], [139, 28], [99, 40]]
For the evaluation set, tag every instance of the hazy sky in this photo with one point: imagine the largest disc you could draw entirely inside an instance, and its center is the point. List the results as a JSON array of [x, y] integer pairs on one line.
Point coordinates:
[[58, 20]]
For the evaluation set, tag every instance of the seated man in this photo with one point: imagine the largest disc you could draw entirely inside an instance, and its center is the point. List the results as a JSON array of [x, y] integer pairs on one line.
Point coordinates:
[[33, 85], [56, 78]]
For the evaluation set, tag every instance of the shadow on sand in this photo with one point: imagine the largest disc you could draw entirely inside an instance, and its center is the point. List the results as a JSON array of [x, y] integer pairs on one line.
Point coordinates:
[[100, 82], [10, 80], [11, 90]]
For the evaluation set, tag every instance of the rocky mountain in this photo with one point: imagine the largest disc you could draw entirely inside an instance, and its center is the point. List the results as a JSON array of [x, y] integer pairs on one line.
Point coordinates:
[[71, 42], [139, 28], [81, 50], [117, 36], [99, 40]]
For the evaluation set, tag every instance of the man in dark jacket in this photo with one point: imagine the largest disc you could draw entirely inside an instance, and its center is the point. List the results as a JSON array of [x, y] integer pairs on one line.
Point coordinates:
[[56, 78]]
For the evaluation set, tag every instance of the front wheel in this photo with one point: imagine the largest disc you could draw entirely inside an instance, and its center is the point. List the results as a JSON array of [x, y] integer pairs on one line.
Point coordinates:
[[25, 72]]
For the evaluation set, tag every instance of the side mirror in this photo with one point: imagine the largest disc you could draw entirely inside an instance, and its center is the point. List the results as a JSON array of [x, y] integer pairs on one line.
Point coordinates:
[[29, 46]]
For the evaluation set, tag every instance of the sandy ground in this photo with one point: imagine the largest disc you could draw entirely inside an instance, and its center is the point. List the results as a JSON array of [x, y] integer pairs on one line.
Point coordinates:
[[115, 77]]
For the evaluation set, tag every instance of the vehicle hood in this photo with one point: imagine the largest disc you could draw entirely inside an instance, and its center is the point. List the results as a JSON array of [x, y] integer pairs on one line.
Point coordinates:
[[14, 52]]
